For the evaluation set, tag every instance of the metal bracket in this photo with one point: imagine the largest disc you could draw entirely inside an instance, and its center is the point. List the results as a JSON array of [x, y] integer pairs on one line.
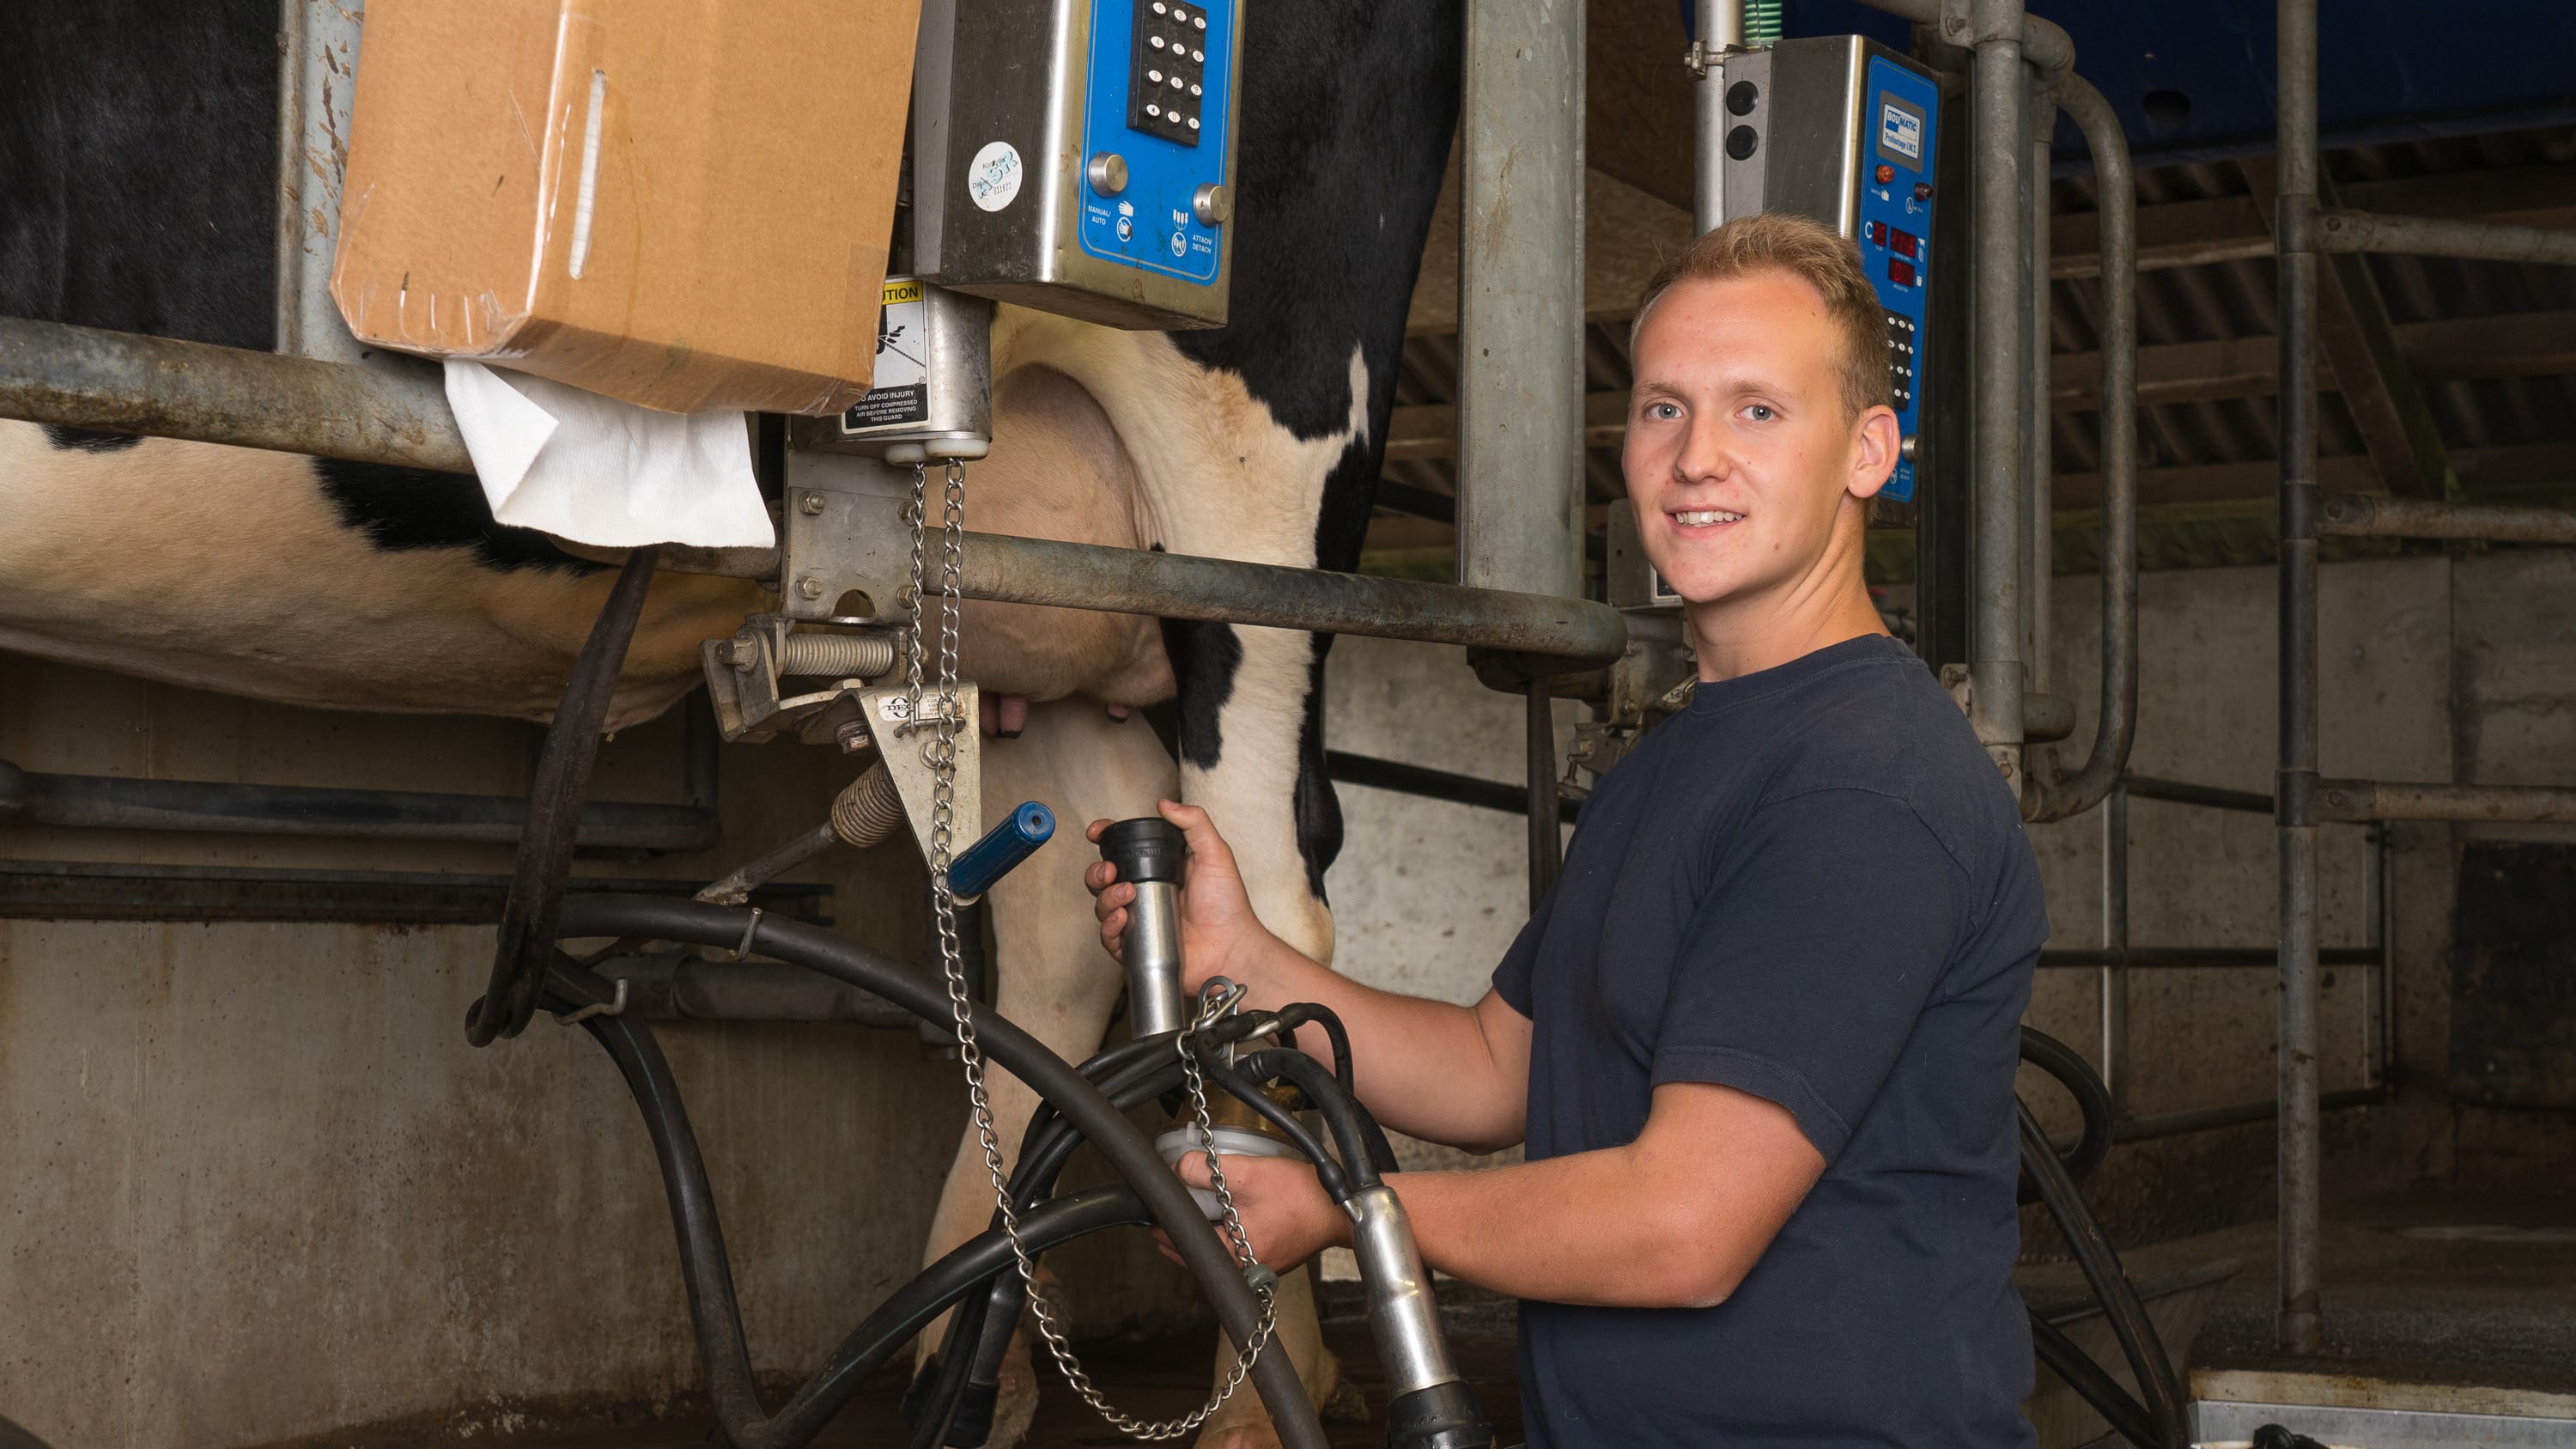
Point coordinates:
[[746, 676], [906, 753], [846, 533]]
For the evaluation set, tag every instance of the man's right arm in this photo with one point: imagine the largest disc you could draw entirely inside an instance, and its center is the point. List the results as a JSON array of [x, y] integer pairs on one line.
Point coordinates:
[[1452, 1074]]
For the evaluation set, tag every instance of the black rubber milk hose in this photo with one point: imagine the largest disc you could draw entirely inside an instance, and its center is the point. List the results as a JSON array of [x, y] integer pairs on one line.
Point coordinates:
[[2159, 1422], [1081, 1103]]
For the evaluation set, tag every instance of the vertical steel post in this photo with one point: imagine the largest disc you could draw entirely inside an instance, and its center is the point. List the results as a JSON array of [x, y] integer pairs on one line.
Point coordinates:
[[2374, 907], [2000, 112], [2115, 937], [2039, 538], [2384, 931], [2301, 1325], [317, 76], [1717, 28], [1520, 298]]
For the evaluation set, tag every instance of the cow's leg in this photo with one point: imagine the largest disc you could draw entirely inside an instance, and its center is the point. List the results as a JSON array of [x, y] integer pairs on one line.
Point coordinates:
[[1245, 773], [1052, 979]]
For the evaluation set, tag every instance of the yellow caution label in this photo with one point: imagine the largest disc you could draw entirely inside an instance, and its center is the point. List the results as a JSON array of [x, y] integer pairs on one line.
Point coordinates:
[[903, 289]]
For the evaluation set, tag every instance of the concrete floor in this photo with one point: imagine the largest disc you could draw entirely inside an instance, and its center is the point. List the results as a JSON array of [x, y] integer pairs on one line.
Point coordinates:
[[2421, 1288]]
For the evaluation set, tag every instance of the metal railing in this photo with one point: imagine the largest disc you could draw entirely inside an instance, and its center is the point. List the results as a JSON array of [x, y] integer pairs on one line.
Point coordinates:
[[2115, 958], [2306, 232]]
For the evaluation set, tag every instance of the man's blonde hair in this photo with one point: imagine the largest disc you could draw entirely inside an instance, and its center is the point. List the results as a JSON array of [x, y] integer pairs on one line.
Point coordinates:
[[1815, 254]]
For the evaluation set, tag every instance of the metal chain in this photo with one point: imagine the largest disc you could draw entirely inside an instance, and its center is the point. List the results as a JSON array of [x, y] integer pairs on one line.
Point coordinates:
[[941, 751]]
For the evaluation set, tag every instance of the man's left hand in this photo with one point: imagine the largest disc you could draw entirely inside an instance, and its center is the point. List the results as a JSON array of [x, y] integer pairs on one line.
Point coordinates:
[[1285, 1211]]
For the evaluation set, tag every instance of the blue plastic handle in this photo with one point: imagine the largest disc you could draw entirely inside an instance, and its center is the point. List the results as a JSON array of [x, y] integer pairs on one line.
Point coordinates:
[[982, 865]]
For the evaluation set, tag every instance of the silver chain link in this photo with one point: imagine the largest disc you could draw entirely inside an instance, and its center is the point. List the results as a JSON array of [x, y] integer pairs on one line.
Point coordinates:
[[941, 752]]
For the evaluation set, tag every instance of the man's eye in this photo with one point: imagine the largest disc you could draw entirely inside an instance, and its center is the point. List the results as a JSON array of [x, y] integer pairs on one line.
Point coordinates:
[[1759, 412], [1663, 410]]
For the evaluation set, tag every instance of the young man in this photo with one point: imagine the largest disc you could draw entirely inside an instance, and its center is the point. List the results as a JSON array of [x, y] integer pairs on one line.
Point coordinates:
[[1761, 1038]]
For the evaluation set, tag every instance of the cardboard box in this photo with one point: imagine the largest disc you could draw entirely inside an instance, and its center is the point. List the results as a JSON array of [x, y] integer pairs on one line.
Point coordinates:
[[681, 203]]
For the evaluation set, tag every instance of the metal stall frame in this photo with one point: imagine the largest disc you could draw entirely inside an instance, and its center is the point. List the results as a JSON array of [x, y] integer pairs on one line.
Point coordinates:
[[2115, 958], [2305, 799]]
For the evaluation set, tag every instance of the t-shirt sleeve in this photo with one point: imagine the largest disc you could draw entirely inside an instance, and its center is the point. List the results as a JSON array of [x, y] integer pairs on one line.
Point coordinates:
[[1828, 922], [1512, 977]]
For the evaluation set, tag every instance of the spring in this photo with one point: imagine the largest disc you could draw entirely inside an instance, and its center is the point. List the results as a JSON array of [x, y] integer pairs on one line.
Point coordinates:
[[836, 656], [868, 809]]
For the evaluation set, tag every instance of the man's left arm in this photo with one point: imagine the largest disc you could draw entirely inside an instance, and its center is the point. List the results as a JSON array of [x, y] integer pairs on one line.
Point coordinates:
[[1674, 1219]]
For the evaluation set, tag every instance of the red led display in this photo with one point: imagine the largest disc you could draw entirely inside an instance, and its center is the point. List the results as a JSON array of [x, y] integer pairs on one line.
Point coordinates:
[[1900, 271], [1906, 243]]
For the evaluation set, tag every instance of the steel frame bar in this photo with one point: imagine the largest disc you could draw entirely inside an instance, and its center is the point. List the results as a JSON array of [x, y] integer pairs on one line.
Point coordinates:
[[2300, 1324], [2363, 515], [2360, 801], [110, 802], [1520, 515], [2105, 764], [118, 382], [2421, 236]]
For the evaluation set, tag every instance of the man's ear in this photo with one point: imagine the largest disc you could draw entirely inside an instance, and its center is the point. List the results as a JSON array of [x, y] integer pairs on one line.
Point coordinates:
[[1875, 441]]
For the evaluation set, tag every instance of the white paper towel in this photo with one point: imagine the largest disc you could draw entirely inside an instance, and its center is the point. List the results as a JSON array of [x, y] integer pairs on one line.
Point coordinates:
[[595, 470]]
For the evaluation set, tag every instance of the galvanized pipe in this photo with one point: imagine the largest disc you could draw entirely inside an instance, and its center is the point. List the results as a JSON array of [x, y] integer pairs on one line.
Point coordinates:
[[2365, 800], [2190, 958], [2206, 1119], [1520, 298], [2362, 515], [1577, 632], [2423, 236], [2301, 1323], [2212, 797], [2043, 44], [2114, 983], [110, 802], [117, 382], [2001, 281], [317, 45], [2118, 712], [2038, 461]]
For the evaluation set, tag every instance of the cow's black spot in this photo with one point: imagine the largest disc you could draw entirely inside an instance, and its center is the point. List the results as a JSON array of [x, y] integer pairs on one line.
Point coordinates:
[[138, 156], [86, 440], [1319, 809], [1204, 658], [413, 508]]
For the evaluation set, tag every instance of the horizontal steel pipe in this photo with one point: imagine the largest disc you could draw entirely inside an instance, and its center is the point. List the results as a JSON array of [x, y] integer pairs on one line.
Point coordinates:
[[1006, 570], [2177, 1124], [2188, 958], [2181, 792], [2364, 800], [108, 802], [2424, 236], [118, 382], [2362, 515], [1430, 784]]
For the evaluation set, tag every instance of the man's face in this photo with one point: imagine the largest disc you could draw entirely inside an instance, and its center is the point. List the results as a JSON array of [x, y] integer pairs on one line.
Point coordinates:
[[1739, 452]]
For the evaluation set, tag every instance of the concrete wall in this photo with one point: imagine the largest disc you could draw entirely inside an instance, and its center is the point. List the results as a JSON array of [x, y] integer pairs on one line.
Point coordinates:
[[2425, 661], [254, 1186]]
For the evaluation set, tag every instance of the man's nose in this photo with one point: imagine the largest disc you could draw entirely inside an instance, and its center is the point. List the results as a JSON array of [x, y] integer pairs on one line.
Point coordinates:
[[1705, 454]]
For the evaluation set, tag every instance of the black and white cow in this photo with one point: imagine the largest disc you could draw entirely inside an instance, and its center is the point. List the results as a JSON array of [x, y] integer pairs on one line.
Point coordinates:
[[137, 163]]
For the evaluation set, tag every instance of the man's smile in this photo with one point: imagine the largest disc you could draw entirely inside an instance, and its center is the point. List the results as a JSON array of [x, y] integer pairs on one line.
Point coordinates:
[[1703, 520]]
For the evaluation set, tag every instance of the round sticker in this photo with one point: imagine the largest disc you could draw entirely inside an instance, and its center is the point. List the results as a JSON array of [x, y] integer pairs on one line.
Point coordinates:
[[994, 180]]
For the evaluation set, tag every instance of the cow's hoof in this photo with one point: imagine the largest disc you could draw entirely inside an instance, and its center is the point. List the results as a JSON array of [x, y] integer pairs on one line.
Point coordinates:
[[1018, 1403]]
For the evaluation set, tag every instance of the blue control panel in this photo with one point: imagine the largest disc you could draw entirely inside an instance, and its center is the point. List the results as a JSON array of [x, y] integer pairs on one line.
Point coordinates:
[[1158, 103], [1900, 114]]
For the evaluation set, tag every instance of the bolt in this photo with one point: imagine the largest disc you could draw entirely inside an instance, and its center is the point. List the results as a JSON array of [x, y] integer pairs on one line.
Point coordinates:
[[809, 588], [811, 503], [853, 736]]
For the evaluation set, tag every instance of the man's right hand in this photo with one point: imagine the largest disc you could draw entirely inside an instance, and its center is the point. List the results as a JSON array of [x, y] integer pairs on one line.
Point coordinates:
[[1220, 936]]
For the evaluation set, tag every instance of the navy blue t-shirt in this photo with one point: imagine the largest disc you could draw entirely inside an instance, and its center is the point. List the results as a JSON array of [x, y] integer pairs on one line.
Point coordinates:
[[1812, 886]]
